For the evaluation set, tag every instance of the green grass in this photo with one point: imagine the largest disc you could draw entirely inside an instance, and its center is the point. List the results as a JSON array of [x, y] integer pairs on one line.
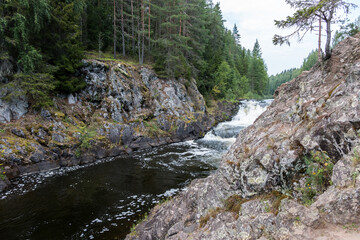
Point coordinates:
[[109, 56]]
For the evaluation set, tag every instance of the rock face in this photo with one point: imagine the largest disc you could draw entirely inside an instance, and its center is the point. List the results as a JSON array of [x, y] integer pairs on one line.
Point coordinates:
[[256, 193], [123, 108], [6, 69], [14, 109]]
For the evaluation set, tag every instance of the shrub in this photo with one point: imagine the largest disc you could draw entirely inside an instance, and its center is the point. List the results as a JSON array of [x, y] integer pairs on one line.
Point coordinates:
[[319, 168], [2, 172], [86, 135], [36, 86]]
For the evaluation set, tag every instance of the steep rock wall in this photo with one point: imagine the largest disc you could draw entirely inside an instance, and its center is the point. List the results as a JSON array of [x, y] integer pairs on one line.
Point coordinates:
[[123, 108], [255, 194]]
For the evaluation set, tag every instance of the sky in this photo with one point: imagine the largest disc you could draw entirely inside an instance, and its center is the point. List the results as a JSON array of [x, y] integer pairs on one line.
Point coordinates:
[[255, 20]]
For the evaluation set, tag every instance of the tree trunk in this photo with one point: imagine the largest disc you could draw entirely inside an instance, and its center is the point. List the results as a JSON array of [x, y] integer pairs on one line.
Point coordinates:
[[132, 25], [122, 28], [2, 40], [149, 24], [114, 29], [328, 39], [319, 43], [139, 36], [143, 31]]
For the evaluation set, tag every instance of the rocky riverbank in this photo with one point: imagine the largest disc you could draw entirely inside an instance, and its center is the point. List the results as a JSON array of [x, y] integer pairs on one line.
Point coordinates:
[[293, 174], [123, 108]]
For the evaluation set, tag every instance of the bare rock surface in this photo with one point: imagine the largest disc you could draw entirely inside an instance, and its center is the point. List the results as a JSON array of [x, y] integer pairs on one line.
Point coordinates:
[[318, 111]]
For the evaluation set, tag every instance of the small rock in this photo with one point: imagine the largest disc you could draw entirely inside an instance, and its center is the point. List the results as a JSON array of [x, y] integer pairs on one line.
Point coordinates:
[[71, 99], [58, 138], [45, 114], [18, 132], [3, 185], [37, 157]]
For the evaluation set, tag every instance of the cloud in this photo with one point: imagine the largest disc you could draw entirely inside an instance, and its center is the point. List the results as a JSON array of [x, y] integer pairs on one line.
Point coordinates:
[[255, 20]]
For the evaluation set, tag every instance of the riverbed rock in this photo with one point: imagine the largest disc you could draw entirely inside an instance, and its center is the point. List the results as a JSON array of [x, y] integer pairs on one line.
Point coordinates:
[[315, 112]]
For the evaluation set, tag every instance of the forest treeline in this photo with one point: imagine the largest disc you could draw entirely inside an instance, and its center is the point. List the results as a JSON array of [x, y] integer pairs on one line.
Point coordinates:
[[276, 80], [181, 38], [346, 29]]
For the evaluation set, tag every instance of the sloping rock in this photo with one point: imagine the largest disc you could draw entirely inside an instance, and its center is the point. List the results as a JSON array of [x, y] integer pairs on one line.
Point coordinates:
[[317, 111]]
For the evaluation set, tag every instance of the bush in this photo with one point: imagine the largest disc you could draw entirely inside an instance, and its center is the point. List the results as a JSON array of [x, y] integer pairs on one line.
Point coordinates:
[[318, 175], [38, 87], [2, 172]]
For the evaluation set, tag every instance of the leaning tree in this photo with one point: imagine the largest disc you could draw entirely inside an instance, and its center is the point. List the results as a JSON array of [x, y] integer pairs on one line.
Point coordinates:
[[308, 14]]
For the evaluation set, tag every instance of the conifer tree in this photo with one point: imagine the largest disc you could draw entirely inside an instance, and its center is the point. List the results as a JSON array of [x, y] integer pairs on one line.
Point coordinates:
[[236, 34], [306, 17]]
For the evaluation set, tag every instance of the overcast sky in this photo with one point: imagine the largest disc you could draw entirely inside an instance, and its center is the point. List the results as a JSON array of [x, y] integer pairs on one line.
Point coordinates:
[[255, 20]]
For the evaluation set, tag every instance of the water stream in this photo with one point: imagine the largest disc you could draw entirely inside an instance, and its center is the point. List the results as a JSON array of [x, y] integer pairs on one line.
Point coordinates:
[[103, 200]]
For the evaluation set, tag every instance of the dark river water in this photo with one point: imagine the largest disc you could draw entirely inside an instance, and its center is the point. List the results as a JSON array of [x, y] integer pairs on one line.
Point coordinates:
[[103, 200]]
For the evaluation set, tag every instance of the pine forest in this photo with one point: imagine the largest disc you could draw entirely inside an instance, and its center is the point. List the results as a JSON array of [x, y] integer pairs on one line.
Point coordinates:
[[180, 38]]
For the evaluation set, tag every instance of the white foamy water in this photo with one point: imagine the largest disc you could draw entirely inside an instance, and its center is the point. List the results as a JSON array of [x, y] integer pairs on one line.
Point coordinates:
[[249, 111], [225, 133]]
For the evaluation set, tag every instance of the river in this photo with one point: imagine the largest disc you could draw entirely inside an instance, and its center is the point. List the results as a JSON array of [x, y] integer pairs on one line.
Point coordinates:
[[103, 200]]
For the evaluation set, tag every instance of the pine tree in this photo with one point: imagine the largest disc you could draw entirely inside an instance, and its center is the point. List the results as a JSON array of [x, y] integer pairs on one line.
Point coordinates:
[[21, 20], [236, 34], [257, 71], [307, 14]]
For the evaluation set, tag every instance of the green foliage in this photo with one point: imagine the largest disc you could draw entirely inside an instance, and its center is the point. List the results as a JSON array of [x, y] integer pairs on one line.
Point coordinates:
[[307, 16], [318, 175], [309, 61], [21, 21], [257, 72], [2, 171], [152, 128], [38, 87], [287, 75], [86, 136], [133, 227], [29, 57], [182, 38], [64, 48], [78, 153], [346, 30], [356, 158]]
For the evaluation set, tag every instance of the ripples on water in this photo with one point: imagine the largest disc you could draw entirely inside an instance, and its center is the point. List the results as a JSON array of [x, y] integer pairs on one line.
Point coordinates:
[[104, 199]]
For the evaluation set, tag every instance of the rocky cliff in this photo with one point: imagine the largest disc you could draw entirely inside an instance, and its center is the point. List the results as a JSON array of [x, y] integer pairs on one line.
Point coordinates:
[[293, 174], [123, 108]]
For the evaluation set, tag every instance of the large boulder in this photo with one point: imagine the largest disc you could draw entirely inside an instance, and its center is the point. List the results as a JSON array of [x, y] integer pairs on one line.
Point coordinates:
[[12, 109]]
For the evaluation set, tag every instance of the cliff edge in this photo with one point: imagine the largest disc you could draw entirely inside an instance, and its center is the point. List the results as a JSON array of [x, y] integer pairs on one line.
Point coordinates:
[[293, 174]]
